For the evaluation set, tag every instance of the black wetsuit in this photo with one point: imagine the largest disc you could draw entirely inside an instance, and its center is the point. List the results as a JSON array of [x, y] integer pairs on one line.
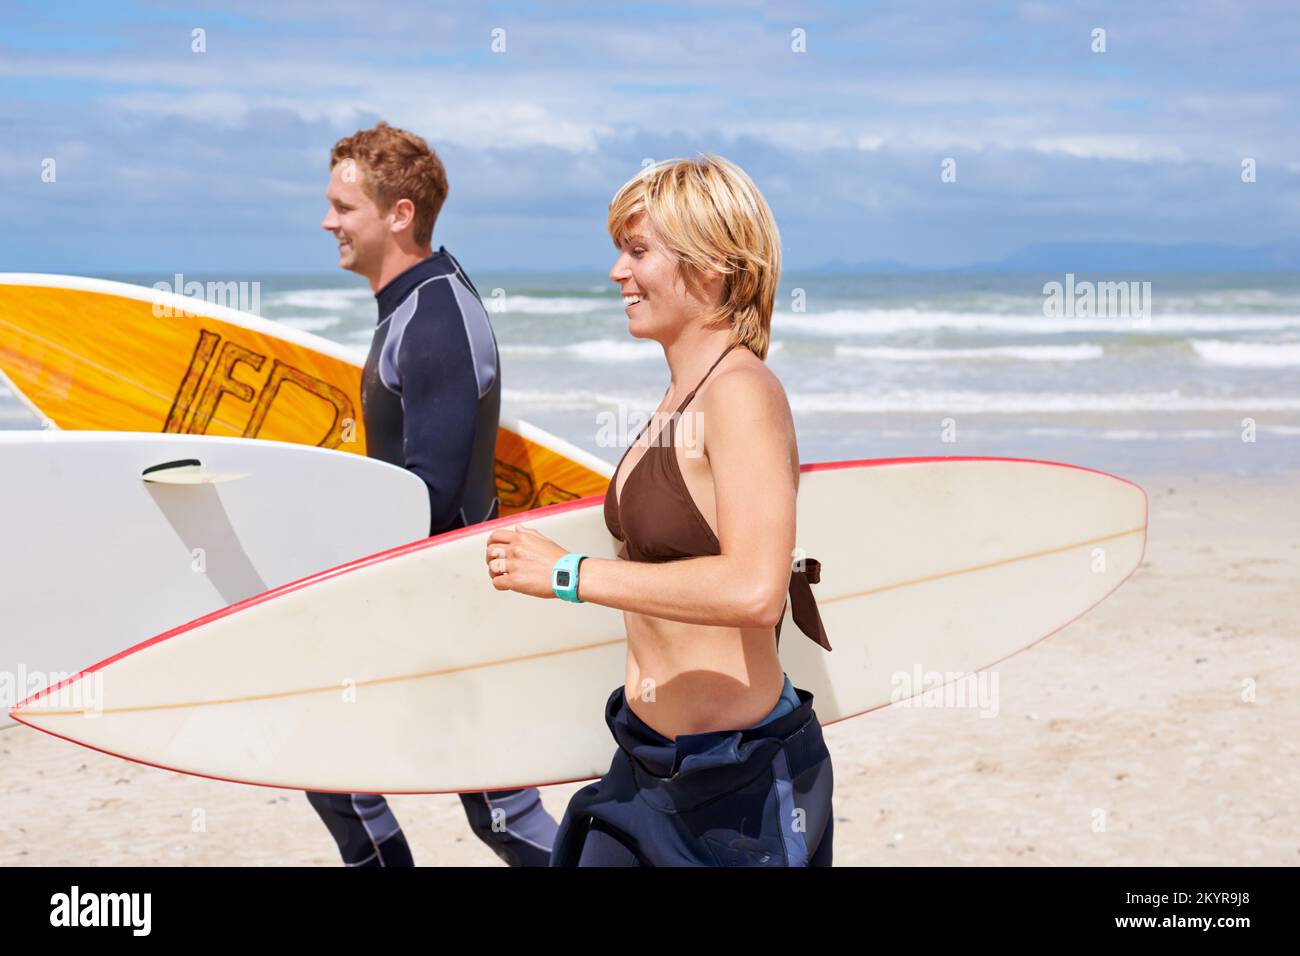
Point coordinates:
[[431, 399]]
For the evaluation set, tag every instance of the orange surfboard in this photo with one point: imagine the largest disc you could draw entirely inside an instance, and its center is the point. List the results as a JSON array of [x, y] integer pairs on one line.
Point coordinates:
[[108, 356]]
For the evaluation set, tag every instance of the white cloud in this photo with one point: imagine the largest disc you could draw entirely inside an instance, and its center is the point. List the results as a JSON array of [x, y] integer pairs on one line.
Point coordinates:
[[1105, 146], [216, 106], [503, 123]]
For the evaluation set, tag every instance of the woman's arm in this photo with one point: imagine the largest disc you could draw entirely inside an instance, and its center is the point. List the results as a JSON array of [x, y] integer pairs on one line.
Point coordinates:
[[748, 435]]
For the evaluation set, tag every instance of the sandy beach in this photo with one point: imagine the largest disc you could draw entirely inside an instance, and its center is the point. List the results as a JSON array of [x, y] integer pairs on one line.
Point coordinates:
[[1156, 730]]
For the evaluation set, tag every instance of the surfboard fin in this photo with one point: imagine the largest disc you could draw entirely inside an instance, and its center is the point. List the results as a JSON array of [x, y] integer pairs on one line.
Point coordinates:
[[186, 471]]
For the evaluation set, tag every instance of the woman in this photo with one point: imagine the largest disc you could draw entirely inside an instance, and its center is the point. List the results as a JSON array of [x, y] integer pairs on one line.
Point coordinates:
[[720, 759]]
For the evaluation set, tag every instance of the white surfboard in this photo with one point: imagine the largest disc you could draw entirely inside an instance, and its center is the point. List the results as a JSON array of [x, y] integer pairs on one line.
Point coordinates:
[[109, 536], [408, 672]]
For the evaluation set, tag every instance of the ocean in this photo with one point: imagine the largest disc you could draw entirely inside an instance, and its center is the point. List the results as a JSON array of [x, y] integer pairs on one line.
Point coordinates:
[[1195, 373]]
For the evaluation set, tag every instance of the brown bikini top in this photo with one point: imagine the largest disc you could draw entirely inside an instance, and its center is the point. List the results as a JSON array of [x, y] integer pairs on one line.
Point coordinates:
[[658, 520]]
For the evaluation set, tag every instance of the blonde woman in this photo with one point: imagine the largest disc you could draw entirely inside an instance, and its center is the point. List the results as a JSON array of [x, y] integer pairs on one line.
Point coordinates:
[[720, 759]]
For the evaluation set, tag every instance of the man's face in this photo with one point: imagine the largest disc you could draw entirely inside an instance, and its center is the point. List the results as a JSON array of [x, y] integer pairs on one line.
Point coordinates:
[[356, 222]]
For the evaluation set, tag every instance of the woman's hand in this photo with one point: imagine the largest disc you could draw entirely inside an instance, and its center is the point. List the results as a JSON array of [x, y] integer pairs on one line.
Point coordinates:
[[520, 559]]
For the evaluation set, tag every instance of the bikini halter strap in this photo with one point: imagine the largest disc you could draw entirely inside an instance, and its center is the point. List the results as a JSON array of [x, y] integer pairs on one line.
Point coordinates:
[[687, 401]]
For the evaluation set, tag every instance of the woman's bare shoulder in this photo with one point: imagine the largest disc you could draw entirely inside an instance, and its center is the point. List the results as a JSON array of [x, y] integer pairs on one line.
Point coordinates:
[[749, 418], [748, 375], [746, 387]]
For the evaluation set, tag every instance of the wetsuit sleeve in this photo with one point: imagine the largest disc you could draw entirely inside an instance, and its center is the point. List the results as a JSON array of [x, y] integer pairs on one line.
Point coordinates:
[[440, 402]]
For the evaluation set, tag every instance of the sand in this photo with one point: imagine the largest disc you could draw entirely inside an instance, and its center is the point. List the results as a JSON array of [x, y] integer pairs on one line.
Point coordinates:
[[1160, 729]]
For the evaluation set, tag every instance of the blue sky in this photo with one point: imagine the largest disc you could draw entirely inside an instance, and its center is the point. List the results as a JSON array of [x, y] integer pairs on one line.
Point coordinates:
[[174, 161]]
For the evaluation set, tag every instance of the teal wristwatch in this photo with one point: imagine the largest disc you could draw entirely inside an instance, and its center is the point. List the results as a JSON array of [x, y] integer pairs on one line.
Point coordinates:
[[564, 577]]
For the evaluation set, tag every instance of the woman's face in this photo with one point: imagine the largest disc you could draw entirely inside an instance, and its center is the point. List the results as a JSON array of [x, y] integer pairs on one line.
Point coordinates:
[[656, 300]]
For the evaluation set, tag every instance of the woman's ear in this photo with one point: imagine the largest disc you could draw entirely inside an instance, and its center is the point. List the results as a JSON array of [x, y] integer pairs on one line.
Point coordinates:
[[719, 279]]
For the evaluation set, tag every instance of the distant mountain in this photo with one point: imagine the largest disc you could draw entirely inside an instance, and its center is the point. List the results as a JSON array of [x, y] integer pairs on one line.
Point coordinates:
[[875, 265]]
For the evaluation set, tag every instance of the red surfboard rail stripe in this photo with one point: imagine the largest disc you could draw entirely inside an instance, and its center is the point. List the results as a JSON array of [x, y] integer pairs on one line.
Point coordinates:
[[510, 521], [489, 526], [824, 600], [550, 783]]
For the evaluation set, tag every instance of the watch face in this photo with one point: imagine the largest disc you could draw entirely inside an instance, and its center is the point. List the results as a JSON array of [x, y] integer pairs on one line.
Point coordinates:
[[562, 579]]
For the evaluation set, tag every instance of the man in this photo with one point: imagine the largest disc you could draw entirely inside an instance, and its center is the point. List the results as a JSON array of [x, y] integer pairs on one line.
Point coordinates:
[[430, 397]]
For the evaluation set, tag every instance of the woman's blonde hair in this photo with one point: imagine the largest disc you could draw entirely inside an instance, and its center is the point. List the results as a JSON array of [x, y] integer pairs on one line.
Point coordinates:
[[712, 218]]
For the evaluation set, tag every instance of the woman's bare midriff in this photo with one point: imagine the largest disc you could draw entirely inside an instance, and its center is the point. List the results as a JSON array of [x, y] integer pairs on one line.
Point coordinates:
[[692, 679]]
